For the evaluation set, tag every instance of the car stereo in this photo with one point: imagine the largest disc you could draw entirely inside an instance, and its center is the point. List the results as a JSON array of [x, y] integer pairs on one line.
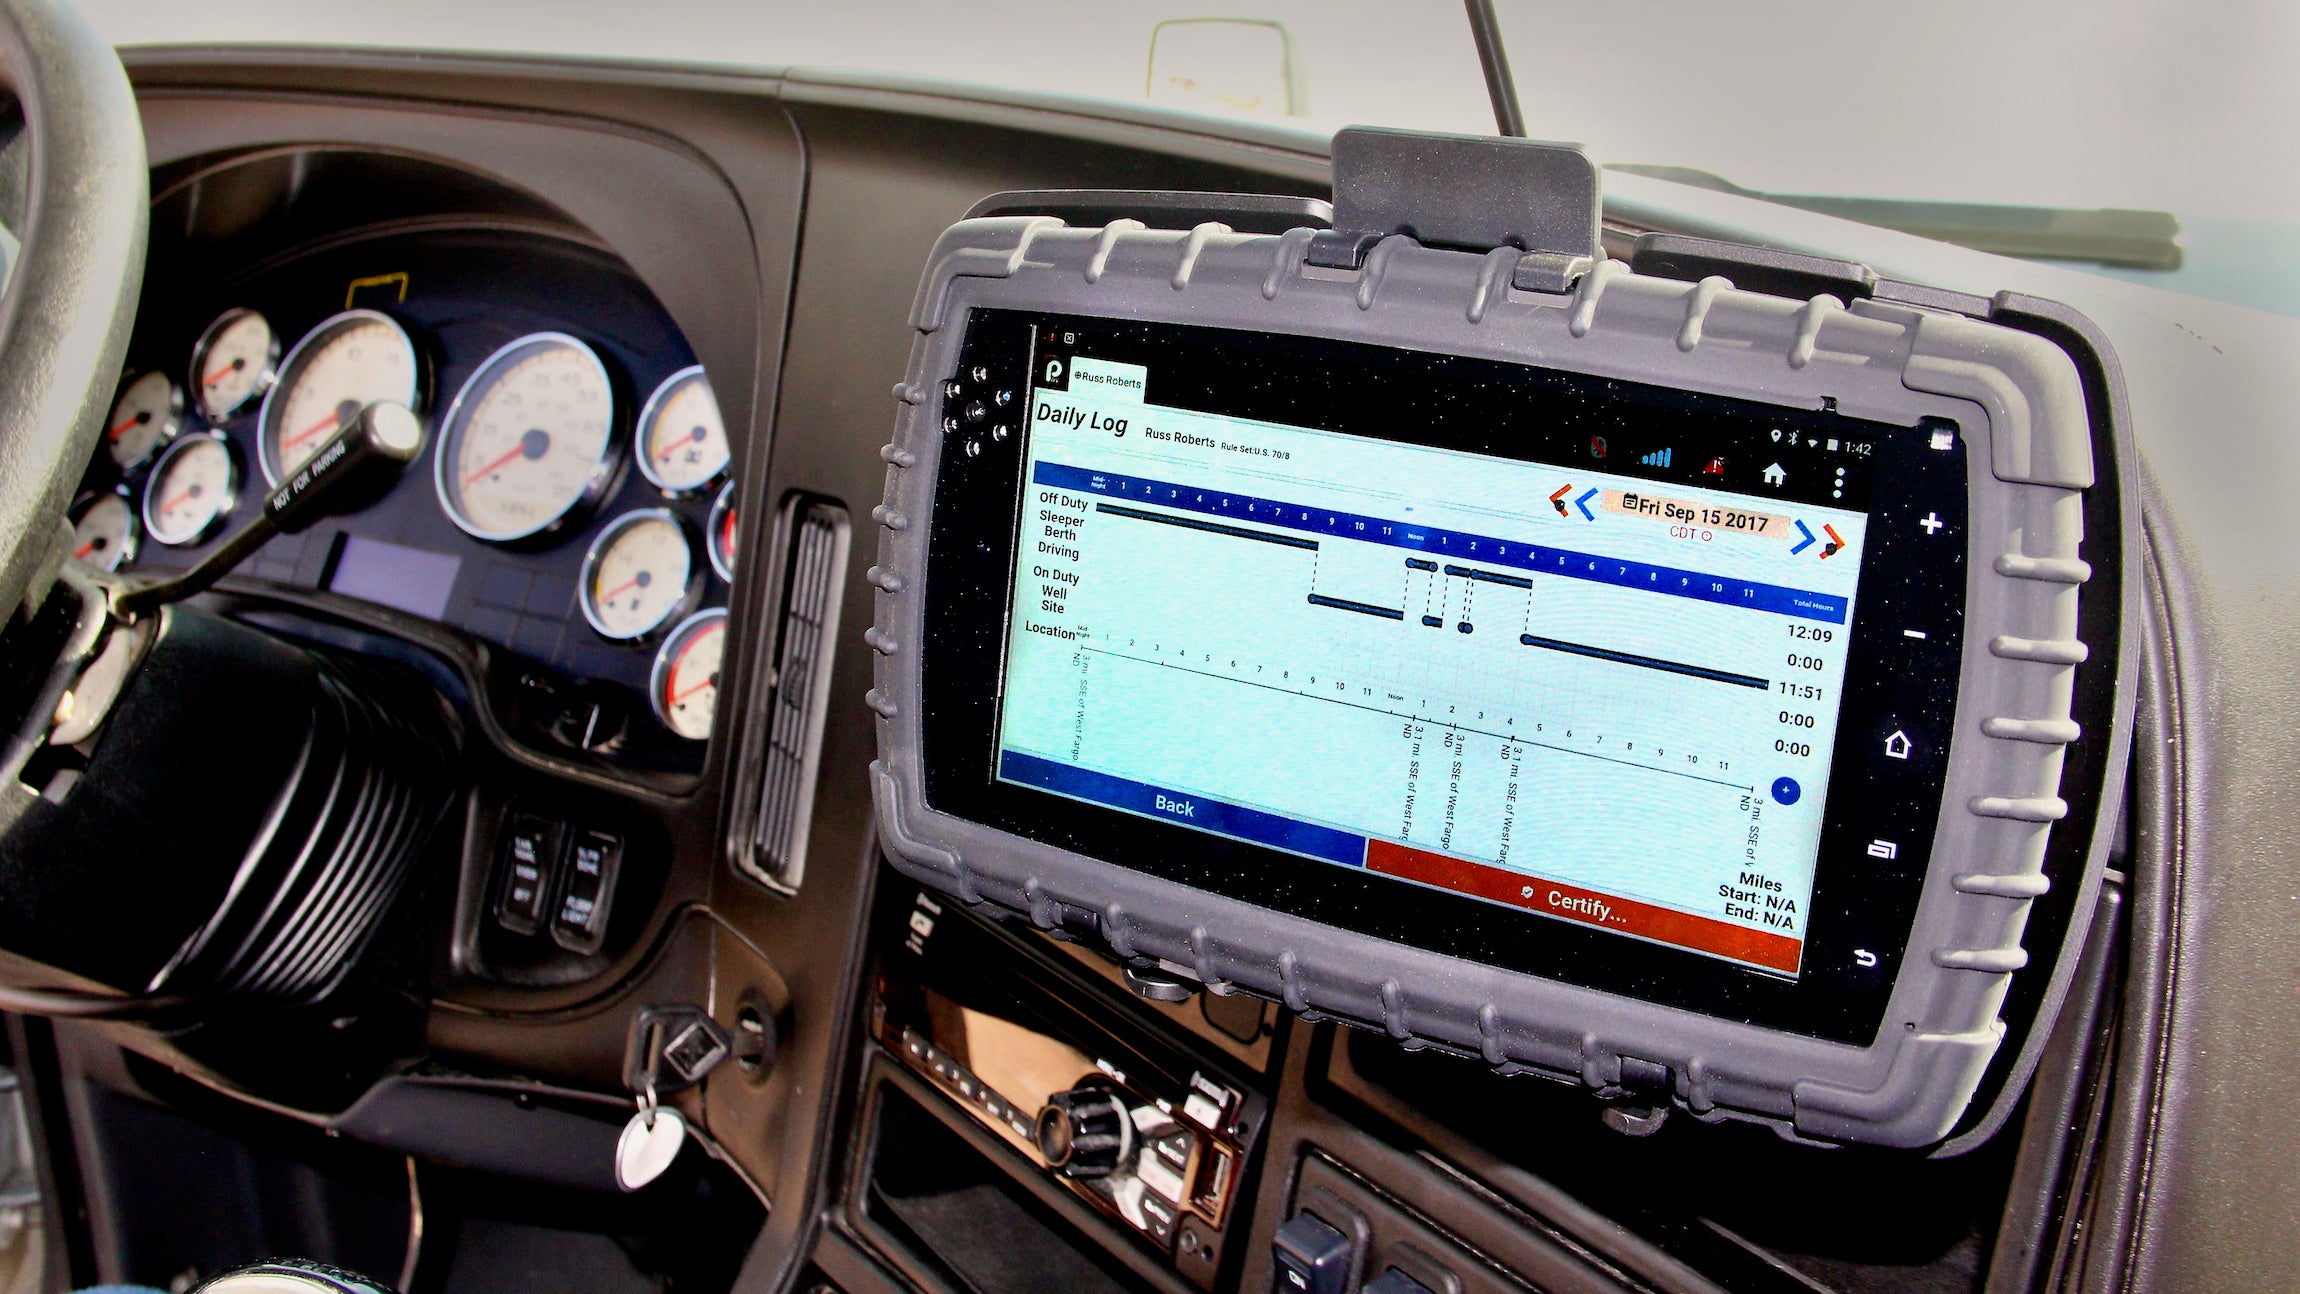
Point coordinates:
[[1651, 683]]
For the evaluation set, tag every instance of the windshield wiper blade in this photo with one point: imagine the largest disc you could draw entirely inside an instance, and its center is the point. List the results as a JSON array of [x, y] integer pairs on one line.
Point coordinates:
[[2146, 240]]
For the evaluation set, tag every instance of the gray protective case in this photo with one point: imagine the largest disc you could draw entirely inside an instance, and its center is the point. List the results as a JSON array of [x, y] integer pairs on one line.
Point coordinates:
[[2020, 405]]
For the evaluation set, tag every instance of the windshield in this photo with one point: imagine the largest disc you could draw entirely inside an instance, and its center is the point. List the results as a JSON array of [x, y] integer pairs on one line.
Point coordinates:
[[1958, 107]]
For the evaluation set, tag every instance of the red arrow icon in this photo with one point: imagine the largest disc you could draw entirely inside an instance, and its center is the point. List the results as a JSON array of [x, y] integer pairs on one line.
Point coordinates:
[[1557, 500], [1835, 545]]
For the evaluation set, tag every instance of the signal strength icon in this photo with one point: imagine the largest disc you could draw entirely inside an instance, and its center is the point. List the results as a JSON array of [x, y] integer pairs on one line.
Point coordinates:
[[1658, 458]]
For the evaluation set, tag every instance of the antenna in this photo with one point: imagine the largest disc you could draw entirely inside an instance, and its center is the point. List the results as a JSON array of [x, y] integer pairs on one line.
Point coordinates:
[[1485, 28]]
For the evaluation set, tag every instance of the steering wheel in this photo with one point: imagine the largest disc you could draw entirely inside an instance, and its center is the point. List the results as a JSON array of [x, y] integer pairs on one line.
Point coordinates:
[[75, 193]]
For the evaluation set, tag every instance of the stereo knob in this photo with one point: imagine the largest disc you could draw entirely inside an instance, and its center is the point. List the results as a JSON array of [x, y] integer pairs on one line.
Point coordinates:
[[1086, 1132]]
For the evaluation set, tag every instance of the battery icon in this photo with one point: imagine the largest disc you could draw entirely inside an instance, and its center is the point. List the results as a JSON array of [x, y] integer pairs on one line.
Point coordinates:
[[1832, 446]]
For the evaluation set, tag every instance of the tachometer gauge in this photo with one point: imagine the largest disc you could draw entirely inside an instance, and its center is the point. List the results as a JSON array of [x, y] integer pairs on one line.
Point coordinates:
[[529, 440], [639, 574], [104, 531], [720, 537], [147, 415], [339, 368], [682, 442], [234, 362], [685, 686], [192, 490]]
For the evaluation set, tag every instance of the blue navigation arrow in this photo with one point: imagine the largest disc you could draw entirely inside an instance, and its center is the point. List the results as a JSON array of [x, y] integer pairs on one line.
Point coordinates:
[[1804, 544], [1583, 504]]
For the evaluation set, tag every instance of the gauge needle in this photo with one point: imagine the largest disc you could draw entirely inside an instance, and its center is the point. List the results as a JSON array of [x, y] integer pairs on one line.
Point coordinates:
[[114, 433], [221, 372], [516, 451], [632, 583], [84, 549], [533, 443], [170, 505], [309, 432], [677, 697]]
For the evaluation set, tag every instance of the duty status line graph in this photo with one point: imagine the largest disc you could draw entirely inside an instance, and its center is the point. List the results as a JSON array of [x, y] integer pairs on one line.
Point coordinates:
[[1587, 714], [1668, 581]]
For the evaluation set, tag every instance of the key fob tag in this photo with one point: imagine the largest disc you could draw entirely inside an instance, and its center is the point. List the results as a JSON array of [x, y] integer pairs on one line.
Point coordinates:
[[650, 1141]]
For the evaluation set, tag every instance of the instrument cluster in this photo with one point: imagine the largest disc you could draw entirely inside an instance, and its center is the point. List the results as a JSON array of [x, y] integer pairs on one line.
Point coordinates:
[[576, 508]]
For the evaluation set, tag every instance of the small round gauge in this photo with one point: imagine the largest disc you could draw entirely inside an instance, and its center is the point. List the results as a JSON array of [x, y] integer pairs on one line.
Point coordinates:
[[719, 540], [104, 531], [639, 575], [234, 362], [339, 368], [529, 440], [685, 686], [682, 442], [192, 489], [147, 415]]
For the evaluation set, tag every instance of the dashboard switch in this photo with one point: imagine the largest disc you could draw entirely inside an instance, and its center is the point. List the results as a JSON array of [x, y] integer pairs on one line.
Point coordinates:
[[1312, 1257], [530, 856], [580, 924], [1394, 1281]]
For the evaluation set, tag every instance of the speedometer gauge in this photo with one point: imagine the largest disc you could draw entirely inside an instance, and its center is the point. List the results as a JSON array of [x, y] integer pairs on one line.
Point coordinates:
[[529, 440], [104, 531], [682, 442], [234, 362], [145, 417], [685, 687], [192, 489], [339, 368], [639, 574]]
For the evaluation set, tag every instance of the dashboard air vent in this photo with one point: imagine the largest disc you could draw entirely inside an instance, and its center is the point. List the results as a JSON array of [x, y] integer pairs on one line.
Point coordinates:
[[811, 541]]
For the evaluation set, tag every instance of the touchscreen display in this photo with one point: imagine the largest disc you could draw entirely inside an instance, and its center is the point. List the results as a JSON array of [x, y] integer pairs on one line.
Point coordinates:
[[1598, 682]]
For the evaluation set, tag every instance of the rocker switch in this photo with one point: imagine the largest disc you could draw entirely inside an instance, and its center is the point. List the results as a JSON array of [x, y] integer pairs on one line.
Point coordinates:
[[530, 855], [580, 924], [1312, 1257]]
